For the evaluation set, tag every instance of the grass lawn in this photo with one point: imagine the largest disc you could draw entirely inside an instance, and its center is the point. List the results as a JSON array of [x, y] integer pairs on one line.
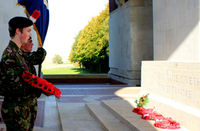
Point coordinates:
[[65, 70]]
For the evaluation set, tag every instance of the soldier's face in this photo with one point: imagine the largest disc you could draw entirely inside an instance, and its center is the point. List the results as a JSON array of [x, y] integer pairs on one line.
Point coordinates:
[[25, 34], [27, 47]]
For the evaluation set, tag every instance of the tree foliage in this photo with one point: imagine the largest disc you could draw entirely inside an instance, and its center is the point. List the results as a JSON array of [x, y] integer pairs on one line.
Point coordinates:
[[57, 59], [91, 46], [72, 55]]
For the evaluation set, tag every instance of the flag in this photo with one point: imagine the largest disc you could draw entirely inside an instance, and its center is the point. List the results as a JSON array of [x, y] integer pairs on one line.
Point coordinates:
[[42, 22]]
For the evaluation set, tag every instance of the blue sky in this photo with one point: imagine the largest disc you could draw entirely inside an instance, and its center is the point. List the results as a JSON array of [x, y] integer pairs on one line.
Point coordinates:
[[67, 18]]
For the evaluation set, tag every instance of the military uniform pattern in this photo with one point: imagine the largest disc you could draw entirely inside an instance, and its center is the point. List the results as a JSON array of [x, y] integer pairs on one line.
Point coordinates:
[[19, 107], [34, 58]]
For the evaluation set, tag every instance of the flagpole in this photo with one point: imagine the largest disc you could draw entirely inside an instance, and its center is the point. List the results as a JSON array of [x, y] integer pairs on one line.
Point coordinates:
[[36, 7], [39, 70]]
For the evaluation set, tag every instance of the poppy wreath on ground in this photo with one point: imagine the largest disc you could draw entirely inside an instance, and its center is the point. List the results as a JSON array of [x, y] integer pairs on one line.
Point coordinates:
[[41, 83], [153, 116], [167, 124], [160, 120], [141, 110], [150, 114]]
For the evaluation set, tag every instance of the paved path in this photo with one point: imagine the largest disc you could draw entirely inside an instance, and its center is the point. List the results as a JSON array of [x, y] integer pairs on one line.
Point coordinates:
[[48, 117], [91, 93]]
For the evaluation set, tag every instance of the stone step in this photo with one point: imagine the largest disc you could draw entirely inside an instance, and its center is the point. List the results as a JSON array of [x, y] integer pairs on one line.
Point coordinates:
[[44, 129], [3, 128], [122, 109], [75, 117], [107, 121]]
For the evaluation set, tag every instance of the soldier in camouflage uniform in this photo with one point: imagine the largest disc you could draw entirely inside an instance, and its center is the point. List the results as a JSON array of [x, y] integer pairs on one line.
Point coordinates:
[[33, 58], [20, 98]]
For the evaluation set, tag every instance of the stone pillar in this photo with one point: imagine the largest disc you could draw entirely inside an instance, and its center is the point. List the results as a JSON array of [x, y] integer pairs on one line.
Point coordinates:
[[176, 30], [130, 40], [9, 9]]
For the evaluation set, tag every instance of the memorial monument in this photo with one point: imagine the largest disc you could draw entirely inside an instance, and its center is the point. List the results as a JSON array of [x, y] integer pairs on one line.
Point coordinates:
[[153, 44], [169, 61]]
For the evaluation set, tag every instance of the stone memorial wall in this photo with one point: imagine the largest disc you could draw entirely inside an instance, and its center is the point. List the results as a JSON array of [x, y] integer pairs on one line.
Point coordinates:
[[174, 89], [176, 30], [130, 40]]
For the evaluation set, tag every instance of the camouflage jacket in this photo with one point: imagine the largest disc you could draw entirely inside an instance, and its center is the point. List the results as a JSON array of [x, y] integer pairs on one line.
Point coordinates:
[[13, 64], [34, 58]]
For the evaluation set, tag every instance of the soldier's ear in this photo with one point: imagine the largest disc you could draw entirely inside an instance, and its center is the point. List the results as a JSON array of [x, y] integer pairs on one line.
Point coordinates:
[[17, 31]]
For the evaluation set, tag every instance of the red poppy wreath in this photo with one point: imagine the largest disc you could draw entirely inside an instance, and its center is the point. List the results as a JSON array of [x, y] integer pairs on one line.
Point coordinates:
[[41, 83], [149, 114]]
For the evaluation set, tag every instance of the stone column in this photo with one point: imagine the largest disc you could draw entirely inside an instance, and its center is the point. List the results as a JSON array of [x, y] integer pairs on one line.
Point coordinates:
[[130, 40]]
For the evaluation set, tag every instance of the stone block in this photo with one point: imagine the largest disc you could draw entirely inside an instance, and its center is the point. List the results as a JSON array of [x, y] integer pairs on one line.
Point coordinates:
[[130, 40], [138, 3], [178, 21], [174, 90]]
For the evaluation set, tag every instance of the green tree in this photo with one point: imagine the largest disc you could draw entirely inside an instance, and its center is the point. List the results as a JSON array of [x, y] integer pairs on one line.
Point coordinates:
[[57, 59], [72, 56], [91, 46]]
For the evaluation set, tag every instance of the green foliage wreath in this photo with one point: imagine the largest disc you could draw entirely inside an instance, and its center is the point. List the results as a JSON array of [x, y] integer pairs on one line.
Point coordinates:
[[143, 101]]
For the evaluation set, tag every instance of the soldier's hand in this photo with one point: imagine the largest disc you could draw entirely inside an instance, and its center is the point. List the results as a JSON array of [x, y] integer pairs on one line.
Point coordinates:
[[47, 94]]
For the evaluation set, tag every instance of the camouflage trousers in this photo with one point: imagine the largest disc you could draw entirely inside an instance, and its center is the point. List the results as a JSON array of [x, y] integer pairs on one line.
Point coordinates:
[[19, 116]]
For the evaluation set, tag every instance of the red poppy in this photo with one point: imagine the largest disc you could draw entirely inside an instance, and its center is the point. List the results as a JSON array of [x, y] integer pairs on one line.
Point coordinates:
[[40, 84], [57, 92], [26, 76], [50, 88], [34, 82], [167, 123], [153, 116]]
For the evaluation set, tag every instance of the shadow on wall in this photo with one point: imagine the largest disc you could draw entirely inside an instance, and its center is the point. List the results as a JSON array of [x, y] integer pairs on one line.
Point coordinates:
[[176, 31]]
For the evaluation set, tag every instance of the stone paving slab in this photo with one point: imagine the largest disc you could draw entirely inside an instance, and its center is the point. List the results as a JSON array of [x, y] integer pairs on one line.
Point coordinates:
[[75, 117], [51, 116], [45, 129], [88, 91], [60, 86], [86, 98], [92, 93], [106, 90]]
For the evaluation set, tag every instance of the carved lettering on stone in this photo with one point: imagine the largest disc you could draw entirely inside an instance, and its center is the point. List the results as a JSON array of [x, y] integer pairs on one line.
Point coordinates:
[[176, 84]]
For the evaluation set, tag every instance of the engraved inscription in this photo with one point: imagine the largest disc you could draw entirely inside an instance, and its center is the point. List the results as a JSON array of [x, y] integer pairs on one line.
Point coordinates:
[[175, 90], [189, 80], [177, 84]]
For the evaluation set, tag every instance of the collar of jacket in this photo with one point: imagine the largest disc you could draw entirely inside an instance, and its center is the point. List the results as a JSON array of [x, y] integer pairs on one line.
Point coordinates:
[[17, 49]]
